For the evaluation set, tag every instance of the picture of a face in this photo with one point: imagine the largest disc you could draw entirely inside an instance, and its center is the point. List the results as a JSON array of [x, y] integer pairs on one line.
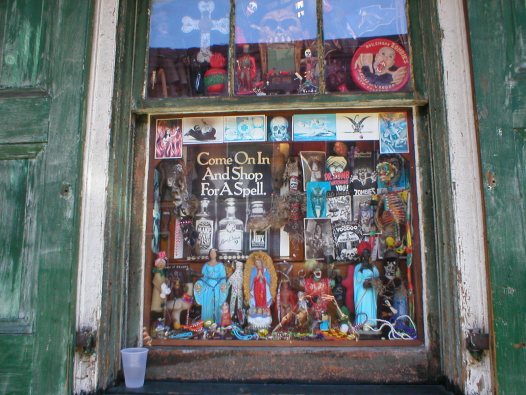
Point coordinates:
[[384, 60]]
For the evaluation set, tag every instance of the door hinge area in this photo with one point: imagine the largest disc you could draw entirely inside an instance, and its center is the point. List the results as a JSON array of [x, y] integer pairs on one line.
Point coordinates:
[[86, 341], [477, 342]]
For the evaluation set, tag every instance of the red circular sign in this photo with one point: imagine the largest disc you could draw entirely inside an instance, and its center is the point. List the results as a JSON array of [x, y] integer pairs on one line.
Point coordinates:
[[380, 65]]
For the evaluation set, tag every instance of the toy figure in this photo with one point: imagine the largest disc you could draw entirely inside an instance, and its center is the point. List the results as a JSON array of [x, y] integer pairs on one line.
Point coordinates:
[[260, 283], [317, 288], [180, 304], [225, 316], [236, 295], [212, 289], [364, 292], [246, 71], [390, 283], [160, 283]]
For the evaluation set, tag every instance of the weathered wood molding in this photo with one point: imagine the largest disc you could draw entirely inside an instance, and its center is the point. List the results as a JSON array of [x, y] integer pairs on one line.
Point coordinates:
[[95, 182], [466, 189]]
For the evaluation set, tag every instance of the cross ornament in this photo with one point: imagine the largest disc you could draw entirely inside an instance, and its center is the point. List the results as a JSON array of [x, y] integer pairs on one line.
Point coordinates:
[[205, 25]]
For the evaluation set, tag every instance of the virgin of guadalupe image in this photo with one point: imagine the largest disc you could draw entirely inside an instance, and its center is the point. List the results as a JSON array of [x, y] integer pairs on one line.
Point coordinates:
[[259, 284]]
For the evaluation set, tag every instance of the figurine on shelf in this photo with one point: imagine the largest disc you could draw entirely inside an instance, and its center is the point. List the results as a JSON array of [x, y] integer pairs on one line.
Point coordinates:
[[310, 76], [211, 290], [365, 293], [180, 304], [317, 290], [246, 71], [260, 283], [160, 283], [391, 211], [390, 285], [236, 295], [226, 320]]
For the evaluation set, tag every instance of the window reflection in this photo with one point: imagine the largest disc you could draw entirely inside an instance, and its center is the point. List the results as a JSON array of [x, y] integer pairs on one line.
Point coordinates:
[[188, 48], [366, 46]]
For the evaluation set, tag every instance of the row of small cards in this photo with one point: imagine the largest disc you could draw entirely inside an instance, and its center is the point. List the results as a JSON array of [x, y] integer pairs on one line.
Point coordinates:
[[391, 129]]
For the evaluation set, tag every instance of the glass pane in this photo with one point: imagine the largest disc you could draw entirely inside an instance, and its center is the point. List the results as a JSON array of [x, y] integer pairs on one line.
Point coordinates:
[[276, 47], [188, 48], [322, 200], [366, 45]]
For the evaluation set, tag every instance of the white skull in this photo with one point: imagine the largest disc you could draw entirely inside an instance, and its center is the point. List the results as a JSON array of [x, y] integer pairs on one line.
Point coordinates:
[[279, 129], [252, 7], [280, 26], [308, 53], [390, 269]]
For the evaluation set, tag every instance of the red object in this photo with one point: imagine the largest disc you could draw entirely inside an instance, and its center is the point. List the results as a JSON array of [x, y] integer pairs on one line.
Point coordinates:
[[348, 283], [364, 245], [380, 65], [260, 289]]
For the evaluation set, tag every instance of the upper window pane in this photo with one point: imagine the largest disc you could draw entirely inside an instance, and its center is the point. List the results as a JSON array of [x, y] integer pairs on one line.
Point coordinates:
[[276, 47], [188, 48], [366, 45]]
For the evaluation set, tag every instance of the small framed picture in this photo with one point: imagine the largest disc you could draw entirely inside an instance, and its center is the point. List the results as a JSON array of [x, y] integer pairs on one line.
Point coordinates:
[[203, 130], [393, 133], [245, 128], [168, 139], [318, 238]]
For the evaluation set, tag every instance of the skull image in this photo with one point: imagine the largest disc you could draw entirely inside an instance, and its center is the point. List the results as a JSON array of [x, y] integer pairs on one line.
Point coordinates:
[[252, 7], [280, 26], [279, 129], [308, 53]]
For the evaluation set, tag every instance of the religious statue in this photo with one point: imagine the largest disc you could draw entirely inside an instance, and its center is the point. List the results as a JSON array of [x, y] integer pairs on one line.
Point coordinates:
[[260, 283], [365, 293], [211, 290]]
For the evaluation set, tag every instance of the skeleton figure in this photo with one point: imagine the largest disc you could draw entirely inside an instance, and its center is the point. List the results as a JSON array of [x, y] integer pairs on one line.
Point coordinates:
[[206, 24], [236, 283], [279, 129]]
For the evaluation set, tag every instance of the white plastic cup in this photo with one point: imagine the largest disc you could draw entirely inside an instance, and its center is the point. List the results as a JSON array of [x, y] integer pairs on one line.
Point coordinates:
[[134, 365]]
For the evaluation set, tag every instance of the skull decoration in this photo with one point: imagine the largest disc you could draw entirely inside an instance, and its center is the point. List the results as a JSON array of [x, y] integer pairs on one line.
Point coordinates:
[[252, 7], [308, 53], [280, 26], [279, 129]]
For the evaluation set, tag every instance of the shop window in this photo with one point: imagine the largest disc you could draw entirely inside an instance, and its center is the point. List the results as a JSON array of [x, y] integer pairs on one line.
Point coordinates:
[[283, 226], [277, 48]]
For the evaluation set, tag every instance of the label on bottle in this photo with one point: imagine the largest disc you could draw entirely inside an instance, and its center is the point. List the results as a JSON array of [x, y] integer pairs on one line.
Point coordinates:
[[204, 228], [258, 240], [231, 240]]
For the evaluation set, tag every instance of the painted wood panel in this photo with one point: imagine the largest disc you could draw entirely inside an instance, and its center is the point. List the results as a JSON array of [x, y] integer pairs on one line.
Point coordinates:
[[13, 188], [498, 43], [15, 364], [24, 119], [22, 38]]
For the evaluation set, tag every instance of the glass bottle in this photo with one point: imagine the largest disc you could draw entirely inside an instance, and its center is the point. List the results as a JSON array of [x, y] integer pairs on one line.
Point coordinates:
[[230, 230], [258, 238], [205, 228]]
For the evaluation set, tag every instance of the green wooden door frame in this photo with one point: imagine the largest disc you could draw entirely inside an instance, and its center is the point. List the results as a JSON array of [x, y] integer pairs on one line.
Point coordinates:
[[498, 43], [123, 271], [43, 79]]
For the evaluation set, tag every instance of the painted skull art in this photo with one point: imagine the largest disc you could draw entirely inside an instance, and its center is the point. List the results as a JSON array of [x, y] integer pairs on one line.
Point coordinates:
[[280, 26], [252, 7], [279, 129]]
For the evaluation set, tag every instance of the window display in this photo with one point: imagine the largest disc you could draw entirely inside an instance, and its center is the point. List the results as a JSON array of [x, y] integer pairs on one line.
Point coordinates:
[[305, 235], [276, 47]]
